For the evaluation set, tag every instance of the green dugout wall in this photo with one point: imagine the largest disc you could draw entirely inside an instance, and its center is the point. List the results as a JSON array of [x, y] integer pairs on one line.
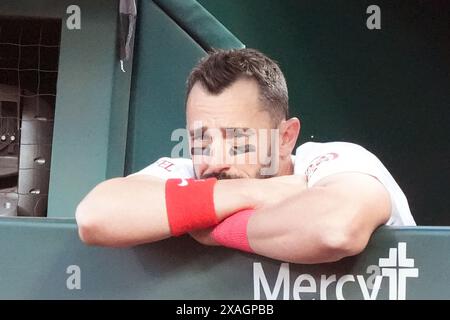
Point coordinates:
[[43, 256], [109, 123]]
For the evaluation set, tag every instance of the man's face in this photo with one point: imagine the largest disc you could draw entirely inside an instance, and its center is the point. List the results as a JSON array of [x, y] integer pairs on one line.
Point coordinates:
[[230, 135]]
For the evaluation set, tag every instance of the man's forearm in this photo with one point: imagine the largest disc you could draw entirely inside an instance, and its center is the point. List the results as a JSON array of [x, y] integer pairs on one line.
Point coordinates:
[[291, 231], [302, 232], [123, 211], [321, 224], [130, 211]]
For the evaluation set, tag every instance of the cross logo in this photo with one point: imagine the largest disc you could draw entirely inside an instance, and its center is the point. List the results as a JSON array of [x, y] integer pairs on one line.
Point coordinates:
[[397, 267]]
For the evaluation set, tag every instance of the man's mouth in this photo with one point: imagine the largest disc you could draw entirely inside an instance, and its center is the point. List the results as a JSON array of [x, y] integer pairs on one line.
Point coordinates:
[[221, 176]]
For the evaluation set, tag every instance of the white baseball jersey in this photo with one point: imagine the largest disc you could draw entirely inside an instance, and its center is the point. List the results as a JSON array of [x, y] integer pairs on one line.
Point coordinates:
[[316, 161]]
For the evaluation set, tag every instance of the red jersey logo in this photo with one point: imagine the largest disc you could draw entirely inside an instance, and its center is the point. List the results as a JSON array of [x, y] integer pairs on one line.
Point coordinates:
[[165, 164], [317, 161]]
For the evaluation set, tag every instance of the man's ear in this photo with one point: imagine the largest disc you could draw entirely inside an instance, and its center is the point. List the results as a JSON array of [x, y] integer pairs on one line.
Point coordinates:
[[289, 132]]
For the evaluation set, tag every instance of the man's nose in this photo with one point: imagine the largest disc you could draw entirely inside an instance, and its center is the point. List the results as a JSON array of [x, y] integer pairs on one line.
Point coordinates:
[[217, 161]]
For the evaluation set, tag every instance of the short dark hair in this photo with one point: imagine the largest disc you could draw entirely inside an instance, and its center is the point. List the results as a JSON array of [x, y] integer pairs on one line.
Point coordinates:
[[221, 68]]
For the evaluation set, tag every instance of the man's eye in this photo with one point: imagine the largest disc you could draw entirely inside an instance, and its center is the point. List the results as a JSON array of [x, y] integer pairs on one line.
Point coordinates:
[[236, 133], [200, 138], [200, 151], [242, 149], [239, 134]]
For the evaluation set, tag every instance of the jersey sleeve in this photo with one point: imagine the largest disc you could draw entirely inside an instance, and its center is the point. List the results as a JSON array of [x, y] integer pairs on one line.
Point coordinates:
[[317, 161], [339, 158], [168, 168]]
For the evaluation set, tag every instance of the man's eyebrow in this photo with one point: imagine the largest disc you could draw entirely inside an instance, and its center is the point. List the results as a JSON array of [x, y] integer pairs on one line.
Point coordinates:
[[197, 131], [244, 130]]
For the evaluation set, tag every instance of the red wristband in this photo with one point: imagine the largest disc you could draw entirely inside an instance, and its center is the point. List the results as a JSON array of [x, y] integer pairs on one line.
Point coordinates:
[[190, 204], [232, 232]]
